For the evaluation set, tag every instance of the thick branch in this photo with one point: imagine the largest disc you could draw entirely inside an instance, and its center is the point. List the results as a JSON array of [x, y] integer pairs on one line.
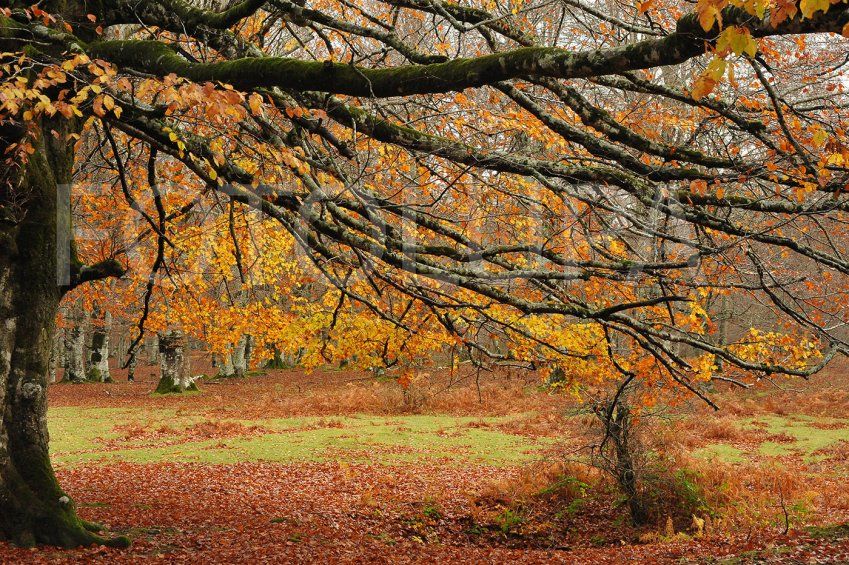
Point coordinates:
[[107, 268], [252, 73]]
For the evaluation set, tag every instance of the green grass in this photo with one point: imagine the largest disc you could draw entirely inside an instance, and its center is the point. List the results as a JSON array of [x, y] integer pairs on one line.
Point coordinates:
[[807, 438], [832, 532], [79, 436], [722, 451], [808, 441]]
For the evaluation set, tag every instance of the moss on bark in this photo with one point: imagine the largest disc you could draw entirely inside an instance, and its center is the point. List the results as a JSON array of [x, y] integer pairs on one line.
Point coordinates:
[[33, 507], [167, 386], [252, 73], [174, 365]]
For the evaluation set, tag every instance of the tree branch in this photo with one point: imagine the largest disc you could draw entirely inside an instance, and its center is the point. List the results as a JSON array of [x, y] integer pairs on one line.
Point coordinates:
[[687, 42]]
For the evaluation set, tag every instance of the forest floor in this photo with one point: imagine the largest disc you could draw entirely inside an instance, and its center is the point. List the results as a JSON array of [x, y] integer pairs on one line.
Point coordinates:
[[336, 467]]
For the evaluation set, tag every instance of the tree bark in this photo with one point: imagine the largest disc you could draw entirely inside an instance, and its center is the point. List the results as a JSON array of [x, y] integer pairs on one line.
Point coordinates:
[[616, 418], [687, 42], [98, 370], [131, 368], [57, 357], [119, 353], [249, 350], [174, 364], [153, 349], [226, 367], [75, 346], [33, 507], [240, 360]]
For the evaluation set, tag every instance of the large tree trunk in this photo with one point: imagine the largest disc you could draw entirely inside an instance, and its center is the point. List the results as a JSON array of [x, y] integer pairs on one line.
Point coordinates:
[[33, 507], [236, 359], [174, 364]]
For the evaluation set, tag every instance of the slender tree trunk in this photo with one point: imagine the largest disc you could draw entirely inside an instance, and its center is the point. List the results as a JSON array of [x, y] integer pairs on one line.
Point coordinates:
[[153, 349], [226, 368], [240, 367], [75, 346], [98, 369], [276, 361], [33, 507], [174, 364], [119, 353], [249, 351], [131, 369], [722, 333], [617, 421]]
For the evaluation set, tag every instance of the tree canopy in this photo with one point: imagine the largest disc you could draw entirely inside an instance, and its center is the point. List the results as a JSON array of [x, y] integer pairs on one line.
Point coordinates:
[[429, 151]]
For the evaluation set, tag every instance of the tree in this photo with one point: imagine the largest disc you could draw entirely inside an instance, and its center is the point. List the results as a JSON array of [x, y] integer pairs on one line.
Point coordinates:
[[175, 363], [551, 185], [99, 350]]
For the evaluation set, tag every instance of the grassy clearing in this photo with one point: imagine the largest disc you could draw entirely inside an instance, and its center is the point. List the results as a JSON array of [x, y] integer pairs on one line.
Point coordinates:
[[810, 435], [149, 436], [804, 436], [722, 451]]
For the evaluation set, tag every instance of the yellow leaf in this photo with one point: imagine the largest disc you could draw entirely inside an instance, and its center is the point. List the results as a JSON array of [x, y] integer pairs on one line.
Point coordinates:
[[819, 137], [708, 17], [737, 39], [810, 7], [255, 103], [708, 80], [836, 159], [716, 69]]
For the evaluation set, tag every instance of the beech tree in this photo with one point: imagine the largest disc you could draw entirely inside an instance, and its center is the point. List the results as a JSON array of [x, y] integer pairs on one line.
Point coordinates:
[[565, 184]]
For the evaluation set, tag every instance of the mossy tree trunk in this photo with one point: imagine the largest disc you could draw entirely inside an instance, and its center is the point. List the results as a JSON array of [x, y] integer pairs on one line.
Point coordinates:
[[33, 507], [174, 364], [275, 362]]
